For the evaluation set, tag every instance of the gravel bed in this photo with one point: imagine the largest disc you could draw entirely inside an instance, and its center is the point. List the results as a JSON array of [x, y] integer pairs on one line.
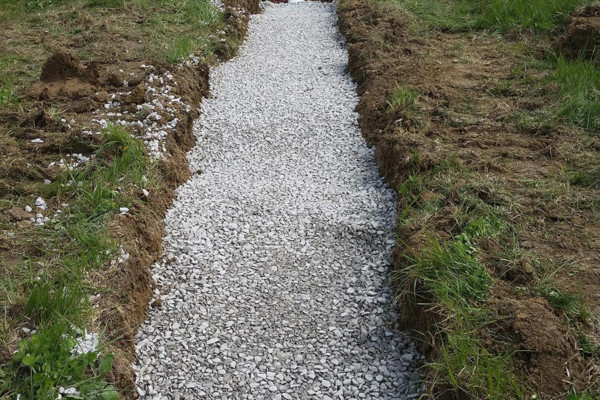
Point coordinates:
[[274, 283]]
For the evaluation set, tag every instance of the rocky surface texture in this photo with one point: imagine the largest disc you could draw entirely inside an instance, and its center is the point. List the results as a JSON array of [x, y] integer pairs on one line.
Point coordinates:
[[274, 283]]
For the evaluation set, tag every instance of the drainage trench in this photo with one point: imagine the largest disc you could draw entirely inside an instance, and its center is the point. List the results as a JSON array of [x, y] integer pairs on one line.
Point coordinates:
[[274, 283]]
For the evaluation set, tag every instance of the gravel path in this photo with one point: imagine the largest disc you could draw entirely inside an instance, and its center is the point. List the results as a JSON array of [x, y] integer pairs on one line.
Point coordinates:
[[274, 284]]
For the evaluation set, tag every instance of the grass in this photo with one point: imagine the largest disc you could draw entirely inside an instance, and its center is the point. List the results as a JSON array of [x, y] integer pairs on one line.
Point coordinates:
[[179, 49], [465, 363], [577, 100], [50, 292], [456, 284], [537, 15], [448, 276], [178, 29], [579, 90], [402, 98], [149, 30], [499, 15]]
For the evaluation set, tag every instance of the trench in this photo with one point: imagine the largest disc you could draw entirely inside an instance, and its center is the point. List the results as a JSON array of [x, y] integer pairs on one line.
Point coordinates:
[[274, 282]]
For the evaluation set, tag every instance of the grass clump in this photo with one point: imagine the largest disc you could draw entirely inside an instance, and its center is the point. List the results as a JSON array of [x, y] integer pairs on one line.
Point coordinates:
[[51, 291], [402, 98], [179, 49], [465, 363], [588, 179], [451, 272], [8, 97], [457, 285], [579, 90]]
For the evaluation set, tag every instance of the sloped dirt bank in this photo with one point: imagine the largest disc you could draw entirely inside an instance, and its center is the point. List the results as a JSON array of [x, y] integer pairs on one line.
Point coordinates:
[[460, 160]]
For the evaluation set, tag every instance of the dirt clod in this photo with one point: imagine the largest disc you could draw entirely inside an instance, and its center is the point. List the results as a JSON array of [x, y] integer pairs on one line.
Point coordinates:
[[137, 95], [63, 66], [582, 36]]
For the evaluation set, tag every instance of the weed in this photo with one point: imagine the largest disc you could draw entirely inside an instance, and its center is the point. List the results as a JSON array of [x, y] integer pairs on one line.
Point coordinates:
[[46, 362]]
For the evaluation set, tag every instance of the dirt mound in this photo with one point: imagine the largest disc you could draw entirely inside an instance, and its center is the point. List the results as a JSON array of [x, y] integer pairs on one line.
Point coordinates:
[[64, 75], [546, 346], [63, 66], [582, 35]]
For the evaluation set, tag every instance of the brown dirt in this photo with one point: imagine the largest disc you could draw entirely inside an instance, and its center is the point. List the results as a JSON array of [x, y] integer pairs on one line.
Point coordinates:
[[470, 98], [582, 35], [71, 90]]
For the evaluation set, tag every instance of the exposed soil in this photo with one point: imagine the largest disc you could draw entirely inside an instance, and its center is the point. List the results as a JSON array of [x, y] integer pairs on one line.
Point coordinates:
[[582, 35], [470, 99], [77, 90]]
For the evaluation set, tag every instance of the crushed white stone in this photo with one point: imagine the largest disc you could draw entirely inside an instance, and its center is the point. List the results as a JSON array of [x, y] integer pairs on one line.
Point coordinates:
[[275, 283], [85, 343]]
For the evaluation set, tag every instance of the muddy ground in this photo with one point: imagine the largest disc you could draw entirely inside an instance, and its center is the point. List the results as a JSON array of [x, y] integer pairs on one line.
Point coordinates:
[[62, 108], [472, 89]]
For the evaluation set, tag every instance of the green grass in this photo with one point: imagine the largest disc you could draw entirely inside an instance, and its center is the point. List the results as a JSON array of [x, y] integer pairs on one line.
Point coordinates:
[[164, 31], [50, 291], [181, 28], [447, 275], [498, 15], [8, 91], [589, 347], [8, 97], [450, 278], [466, 364], [585, 178], [402, 98], [537, 15], [579, 90], [179, 49], [577, 100], [584, 396]]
